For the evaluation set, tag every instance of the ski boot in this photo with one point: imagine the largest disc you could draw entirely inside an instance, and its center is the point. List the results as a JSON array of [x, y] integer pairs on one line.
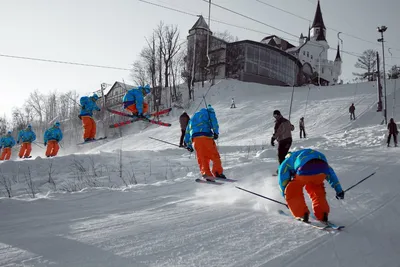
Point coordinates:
[[222, 176], [304, 218], [209, 178]]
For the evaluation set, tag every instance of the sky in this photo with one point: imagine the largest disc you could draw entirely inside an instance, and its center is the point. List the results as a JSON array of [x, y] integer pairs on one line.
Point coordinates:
[[112, 33]]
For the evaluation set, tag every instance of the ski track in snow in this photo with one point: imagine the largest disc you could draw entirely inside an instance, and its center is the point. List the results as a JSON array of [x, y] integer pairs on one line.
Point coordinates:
[[167, 219]]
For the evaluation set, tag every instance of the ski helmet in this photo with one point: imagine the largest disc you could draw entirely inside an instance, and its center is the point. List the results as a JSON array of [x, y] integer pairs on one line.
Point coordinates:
[[276, 113]]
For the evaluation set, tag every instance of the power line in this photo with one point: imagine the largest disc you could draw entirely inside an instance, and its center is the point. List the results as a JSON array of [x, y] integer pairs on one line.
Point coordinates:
[[194, 15], [63, 62]]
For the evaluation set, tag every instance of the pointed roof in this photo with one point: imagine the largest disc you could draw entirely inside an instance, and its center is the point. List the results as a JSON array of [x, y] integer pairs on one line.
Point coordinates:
[[301, 36], [200, 24], [318, 20], [338, 58]]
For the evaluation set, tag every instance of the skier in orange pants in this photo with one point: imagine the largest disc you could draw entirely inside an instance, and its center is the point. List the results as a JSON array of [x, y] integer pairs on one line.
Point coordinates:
[[307, 168], [6, 142], [88, 105], [52, 137], [27, 137], [201, 132]]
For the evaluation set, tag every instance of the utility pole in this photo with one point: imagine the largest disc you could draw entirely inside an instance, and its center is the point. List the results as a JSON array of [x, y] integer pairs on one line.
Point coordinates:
[[105, 120], [382, 29]]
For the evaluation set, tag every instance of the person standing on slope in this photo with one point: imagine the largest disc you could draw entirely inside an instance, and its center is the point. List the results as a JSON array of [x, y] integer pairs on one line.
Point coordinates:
[[283, 134], [392, 130], [88, 105], [352, 110], [233, 103], [52, 137], [307, 168], [134, 101], [183, 120], [6, 142], [302, 128], [201, 131], [27, 136]]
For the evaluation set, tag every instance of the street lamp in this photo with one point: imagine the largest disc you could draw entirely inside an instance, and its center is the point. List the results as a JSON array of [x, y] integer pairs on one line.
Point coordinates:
[[382, 29]]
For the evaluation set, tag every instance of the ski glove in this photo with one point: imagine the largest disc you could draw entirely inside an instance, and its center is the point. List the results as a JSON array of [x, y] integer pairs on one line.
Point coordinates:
[[45, 143], [215, 136], [190, 149], [340, 195], [17, 142]]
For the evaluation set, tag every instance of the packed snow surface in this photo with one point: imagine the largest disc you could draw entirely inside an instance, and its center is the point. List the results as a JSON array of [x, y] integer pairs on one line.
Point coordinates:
[[132, 201]]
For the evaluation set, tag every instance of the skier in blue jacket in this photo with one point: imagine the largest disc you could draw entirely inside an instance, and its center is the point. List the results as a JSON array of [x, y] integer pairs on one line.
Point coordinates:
[[201, 132], [52, 137], [134, 100], [6, 142], [88, 105], [307, 168], [27, 136]]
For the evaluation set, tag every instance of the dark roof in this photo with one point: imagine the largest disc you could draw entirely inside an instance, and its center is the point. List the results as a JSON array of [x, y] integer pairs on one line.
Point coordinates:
[[295, 59], [200, 24], [277, 41], [338, 58], [119, 84], [318, 20]]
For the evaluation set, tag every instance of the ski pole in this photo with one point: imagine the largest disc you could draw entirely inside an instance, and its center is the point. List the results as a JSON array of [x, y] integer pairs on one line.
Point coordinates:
[[273, 200], [37, 144], [359, 182], [164, 142]]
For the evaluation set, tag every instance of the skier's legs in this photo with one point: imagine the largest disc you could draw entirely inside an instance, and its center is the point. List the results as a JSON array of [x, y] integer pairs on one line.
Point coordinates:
[[87, 126], [395, 139], [8, 153], [316, 190], [295, 198], [55, 149], [50, 145], [28, 149], [22, 150], [388, 139], [183, 132], [200, 145], [93, 129], [283, 149], [132, 108], [145, 107], [215, 157]]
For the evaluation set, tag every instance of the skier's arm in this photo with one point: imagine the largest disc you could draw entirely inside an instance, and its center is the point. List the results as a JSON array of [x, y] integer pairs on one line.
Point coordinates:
[[33, 137], [334, 181], [214, 123], [19, 136], [285, 172], [139, 104]]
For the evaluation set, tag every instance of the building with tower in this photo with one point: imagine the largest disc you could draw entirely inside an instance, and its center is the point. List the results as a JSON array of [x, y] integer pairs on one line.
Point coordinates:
[[272, 61]]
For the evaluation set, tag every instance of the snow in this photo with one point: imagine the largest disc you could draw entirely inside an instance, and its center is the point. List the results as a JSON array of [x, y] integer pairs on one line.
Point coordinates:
[[156, 215]]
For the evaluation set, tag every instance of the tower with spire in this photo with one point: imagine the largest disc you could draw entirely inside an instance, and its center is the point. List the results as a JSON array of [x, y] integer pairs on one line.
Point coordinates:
[[313, 53]]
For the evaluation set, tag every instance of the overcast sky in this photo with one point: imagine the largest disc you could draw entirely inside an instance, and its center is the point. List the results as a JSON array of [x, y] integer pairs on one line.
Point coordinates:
[[111, 33]]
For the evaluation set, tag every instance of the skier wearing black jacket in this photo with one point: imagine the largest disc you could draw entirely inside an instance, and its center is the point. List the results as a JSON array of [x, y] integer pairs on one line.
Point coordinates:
[[283, 134], [392, 130]]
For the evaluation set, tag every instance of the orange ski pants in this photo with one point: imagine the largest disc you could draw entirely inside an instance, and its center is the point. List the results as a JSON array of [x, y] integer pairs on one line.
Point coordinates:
[[132, 108], [89, 126], [314, 185], [25, 150], [206, 151], [6, 155], [52, 148]]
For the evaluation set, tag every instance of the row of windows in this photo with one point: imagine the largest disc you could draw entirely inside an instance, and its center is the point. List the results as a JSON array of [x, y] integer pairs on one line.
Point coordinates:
[[308, 54]]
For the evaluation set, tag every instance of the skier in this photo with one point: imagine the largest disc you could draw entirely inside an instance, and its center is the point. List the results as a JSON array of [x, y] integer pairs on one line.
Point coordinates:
[[283, 134], [202, 130], [88, 105], [27, 136], [134, 100], [302, 128], [392, 130], [183, 120], [352, 109], [6, 142], [52, 137], [307, 168], [233, 103]]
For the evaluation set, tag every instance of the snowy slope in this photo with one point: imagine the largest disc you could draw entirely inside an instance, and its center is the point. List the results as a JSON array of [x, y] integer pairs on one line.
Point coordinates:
[[89, 217]]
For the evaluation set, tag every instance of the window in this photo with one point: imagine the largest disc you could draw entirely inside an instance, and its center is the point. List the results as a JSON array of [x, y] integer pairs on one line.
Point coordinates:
[[304, 53], [311, 57], [308, 54], [322, 70]]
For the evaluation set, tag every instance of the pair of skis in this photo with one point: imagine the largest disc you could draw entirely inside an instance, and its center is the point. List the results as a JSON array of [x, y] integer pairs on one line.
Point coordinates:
[[316, 224], [91, 141], [136, 118], [218, 181]]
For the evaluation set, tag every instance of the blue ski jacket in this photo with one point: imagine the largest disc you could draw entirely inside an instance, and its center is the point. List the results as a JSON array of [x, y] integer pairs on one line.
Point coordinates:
[[7, 141], [203, 123], [293, 163], [88, 104], [53, 133], [27, 136], [134, 96]]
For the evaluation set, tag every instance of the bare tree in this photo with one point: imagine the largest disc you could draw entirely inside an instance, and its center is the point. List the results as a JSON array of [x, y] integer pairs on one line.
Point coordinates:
[[226, 36], [36, 101], [139, 74], [367, 62], [169, 46], [394, 72]]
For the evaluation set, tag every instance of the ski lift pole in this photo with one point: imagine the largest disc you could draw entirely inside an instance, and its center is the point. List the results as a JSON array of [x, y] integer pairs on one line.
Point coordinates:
[[291, 102], [270, 199]]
